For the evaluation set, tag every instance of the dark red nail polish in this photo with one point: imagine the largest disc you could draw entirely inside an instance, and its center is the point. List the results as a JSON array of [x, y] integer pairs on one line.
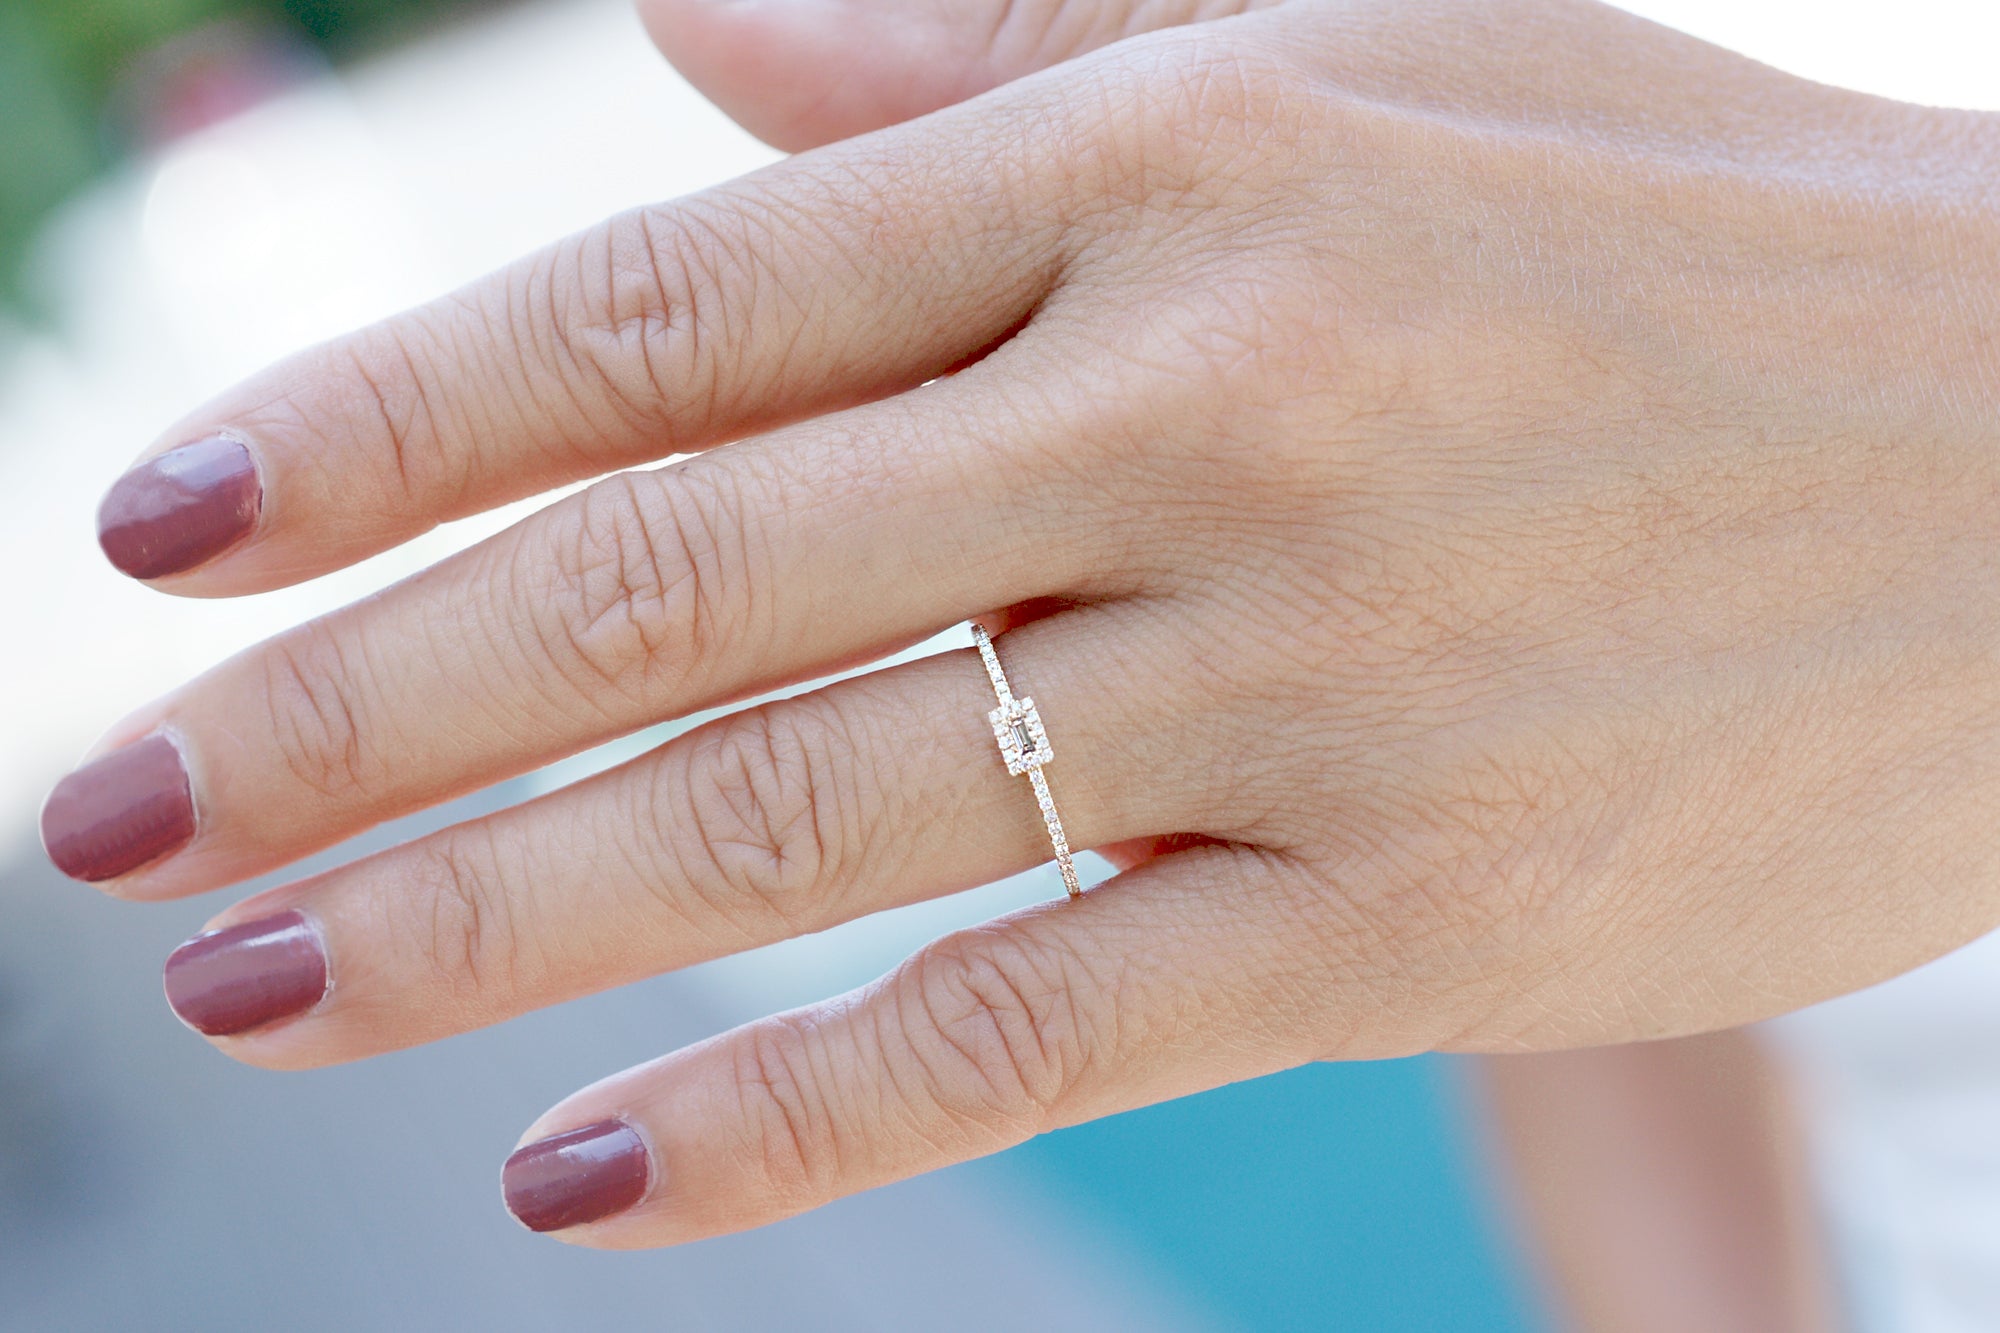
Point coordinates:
[[577, 1176], [232, 980], [120, 811], [173, 512]]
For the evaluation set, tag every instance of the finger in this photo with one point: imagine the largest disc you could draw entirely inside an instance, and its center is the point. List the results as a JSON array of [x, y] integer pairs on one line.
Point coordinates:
[[650, 595], [772, 822], [817, 284], [801, 74], [1165, 981]]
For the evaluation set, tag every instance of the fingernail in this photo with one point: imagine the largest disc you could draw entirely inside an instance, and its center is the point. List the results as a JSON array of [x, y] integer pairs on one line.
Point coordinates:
[[173, 512], [120, 811], [576, 1177], [230, 981]]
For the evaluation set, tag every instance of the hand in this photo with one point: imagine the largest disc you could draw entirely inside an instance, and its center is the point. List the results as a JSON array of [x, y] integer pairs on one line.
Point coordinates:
[[1494, 500]]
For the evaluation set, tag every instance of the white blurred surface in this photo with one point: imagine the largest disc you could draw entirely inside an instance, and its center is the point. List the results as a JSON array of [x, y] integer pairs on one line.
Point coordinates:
[[346, 200], [1937, 52], [1901, 1084]]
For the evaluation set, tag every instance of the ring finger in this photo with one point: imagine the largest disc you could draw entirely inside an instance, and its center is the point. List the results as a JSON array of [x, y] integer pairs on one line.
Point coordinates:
[[771, 822]]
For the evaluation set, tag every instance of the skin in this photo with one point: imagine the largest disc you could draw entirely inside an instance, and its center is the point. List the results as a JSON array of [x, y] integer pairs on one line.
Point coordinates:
[[1495, 500], [1665, 1186]]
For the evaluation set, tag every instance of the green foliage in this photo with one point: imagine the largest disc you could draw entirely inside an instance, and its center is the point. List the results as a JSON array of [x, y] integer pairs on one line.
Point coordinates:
[[47, 147]]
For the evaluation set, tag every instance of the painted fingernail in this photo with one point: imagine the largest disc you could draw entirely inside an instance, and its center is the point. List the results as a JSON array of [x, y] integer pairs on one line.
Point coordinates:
[[230, 981], [120, 811], [576, 1177], [173, 512]]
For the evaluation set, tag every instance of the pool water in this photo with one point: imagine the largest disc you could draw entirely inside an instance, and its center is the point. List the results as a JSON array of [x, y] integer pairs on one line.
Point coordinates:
[[1332, 1197]]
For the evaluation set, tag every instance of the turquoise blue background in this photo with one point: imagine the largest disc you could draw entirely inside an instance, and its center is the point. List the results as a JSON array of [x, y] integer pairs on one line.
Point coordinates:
[[1333, 1197]]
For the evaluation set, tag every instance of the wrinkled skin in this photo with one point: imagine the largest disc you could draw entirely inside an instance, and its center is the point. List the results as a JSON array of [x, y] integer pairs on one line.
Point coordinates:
[[1496, 502]]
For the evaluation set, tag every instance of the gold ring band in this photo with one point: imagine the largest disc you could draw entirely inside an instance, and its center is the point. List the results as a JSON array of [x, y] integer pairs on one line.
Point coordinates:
[[1025, 748]]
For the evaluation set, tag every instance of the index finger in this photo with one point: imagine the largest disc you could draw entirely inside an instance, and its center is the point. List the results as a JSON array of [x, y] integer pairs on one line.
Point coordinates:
[[832, 279]]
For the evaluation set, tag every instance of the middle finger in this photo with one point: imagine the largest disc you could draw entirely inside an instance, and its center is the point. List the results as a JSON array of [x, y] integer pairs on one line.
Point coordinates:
[[647, 596]]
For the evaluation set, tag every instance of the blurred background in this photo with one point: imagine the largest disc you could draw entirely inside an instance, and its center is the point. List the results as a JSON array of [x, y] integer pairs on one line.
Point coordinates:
[[192, 188]]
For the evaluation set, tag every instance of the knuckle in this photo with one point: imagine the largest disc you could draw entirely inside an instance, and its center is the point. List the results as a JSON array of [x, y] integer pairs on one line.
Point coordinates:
[[1182, 112], [1235, 85], [994, 1031], [467, 924], [783, 1110], [645, 321], [315, 714], [765, 822], [644, 573]]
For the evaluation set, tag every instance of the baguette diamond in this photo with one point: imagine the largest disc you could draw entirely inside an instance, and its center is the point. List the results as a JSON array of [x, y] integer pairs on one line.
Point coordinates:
[[1024, 746]]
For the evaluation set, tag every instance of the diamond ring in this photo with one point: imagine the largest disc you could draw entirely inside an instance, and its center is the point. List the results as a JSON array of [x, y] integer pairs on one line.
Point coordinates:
[[1017, 727]]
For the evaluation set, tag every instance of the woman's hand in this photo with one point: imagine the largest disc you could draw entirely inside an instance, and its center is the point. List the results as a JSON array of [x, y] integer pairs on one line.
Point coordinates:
[[1495, 501]]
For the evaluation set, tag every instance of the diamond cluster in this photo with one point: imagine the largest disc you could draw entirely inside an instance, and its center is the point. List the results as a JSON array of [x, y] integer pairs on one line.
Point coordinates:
[[1018, 728]]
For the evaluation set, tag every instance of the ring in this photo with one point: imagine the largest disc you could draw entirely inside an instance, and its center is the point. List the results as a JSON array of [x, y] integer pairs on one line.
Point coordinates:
[[1025, 748]]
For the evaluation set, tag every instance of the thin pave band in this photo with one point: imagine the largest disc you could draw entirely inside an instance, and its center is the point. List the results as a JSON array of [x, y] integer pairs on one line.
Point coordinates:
[[1024, 746]]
